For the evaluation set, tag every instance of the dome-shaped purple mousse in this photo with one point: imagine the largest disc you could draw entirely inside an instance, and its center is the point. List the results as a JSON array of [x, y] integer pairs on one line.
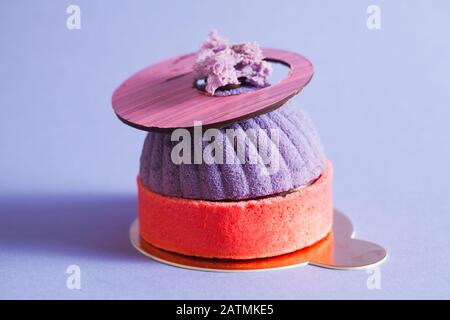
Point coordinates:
[[301, 160]]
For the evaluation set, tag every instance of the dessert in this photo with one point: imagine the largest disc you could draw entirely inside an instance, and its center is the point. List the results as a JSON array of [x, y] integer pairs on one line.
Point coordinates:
[[251, 185], [302, 160], [254, 228]]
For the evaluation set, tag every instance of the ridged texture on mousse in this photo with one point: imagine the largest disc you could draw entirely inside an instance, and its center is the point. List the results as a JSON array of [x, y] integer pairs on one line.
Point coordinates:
[[301, 161]]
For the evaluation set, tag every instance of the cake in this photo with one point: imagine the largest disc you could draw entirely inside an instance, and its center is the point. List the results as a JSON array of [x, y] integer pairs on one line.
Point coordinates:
[[246, 229], [254, 186], [302, 160]]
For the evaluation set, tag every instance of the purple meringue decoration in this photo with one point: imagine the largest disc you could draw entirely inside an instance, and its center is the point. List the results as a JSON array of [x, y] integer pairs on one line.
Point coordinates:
[[301, 161], [221, 63]]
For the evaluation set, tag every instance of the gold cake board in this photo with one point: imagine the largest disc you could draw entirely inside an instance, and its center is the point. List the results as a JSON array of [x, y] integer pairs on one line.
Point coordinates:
[[338, 250]]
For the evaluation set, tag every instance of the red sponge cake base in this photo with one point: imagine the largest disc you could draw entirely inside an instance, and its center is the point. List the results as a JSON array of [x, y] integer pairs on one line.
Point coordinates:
[[238, 229]]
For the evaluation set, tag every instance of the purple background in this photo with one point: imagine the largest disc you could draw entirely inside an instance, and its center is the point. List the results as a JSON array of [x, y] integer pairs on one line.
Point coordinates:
[[380, 100]]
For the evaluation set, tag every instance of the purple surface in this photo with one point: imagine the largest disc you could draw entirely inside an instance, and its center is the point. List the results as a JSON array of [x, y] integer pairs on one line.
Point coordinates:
[[67, 166], [301, 160]]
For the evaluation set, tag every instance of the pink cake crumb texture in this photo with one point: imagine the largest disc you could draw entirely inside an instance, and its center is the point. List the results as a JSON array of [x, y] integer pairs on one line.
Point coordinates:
[[246, 229], [221, 63]]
